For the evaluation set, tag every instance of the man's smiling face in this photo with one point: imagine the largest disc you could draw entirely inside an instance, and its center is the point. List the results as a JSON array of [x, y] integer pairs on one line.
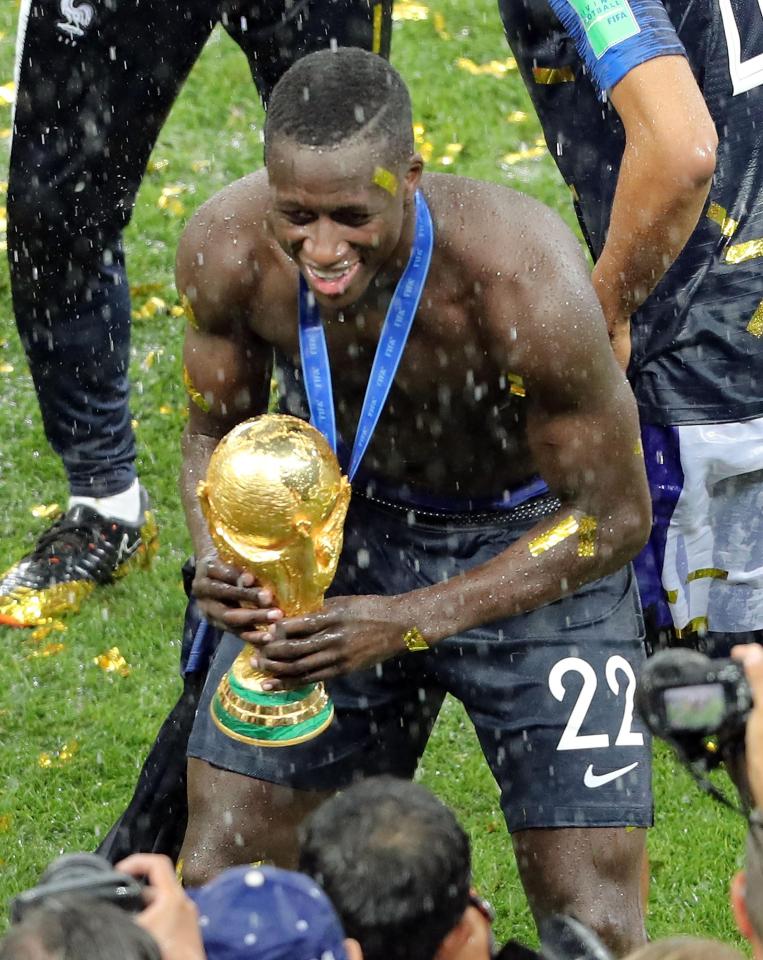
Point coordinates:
[[330, 217]]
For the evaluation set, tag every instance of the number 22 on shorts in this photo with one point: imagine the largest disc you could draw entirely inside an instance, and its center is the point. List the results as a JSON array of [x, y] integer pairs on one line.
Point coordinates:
[[571, 738]]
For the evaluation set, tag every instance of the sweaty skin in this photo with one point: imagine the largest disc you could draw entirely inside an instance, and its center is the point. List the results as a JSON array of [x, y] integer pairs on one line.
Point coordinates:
[[508, 292]]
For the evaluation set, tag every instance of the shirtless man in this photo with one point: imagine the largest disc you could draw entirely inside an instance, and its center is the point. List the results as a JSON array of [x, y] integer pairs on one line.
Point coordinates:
[[462, 571]]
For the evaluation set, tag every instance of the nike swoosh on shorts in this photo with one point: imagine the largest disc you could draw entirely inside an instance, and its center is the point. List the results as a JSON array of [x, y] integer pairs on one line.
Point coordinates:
[[594, 780]]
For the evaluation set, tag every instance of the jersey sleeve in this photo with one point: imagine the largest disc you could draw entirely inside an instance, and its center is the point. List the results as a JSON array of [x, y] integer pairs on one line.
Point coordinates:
[[614, 36]]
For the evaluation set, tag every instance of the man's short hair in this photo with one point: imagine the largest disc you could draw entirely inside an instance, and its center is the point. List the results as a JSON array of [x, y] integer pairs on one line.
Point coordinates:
[[334, 97], [69, 927], [396, 864]]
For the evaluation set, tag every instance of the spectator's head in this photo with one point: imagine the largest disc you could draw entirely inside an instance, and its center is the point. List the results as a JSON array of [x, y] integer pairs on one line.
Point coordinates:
[[396, 865], [747, 893], [342, 170], [263, 913], [70, 927], [685, 948]]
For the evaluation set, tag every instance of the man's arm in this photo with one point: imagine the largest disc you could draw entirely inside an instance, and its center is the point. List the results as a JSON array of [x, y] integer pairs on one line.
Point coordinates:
[[226, 369], [662, 186], [582, 428]]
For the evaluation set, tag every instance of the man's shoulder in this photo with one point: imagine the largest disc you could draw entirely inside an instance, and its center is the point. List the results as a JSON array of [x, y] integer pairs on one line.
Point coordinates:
[[492, 222], [223, 248]]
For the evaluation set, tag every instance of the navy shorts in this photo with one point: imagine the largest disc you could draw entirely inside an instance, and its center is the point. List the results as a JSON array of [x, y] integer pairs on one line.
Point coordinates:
[[550, 693]]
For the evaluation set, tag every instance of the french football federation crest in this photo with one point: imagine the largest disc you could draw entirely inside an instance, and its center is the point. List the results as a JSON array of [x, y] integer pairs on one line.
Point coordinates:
[[78, 17]]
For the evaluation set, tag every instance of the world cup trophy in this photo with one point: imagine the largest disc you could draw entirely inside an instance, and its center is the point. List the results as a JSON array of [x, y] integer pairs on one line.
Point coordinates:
[[275, 501]]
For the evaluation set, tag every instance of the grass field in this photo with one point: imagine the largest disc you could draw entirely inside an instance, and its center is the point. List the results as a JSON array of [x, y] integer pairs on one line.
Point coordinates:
[[73, 736]]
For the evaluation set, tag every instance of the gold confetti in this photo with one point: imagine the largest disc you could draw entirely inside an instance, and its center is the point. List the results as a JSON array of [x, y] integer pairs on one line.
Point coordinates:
[[134, 423], [187, 309], [45, 511], [165, 409], [64, 755], [112, 662], [516, 384], [155, 166], [8, 92], [547, 76], [49, 650], [516, 116], [55, 626], [742, 252], [552, 537], [151, 357], [386, 180], [5, 822], [6, 367], [587, 537], [717, 214], [201, 402], [638, 448], [201, 166], [3, 186], [438, 22], [531, 153], [408, 10], [169, 199], [150, 308], [755, 326], [177, 311], [493, 68], [418, 132], [704, 573], [426, 149]]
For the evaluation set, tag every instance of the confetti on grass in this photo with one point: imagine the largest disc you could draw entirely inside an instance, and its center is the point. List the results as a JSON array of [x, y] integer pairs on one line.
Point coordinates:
[[112, 662], [63, 756], [493, 68], [45, 511], [408, 10]]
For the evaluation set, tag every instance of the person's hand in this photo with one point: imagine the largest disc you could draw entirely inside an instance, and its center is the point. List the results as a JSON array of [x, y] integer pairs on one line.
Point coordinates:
[[230, 599], [349, 633], [751, 655], [170, 916]]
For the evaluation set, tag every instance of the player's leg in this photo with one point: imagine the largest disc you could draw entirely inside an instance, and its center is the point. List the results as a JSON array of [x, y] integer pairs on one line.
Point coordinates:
[[551, 696], [593, 874], [95, 84], [275, 34]]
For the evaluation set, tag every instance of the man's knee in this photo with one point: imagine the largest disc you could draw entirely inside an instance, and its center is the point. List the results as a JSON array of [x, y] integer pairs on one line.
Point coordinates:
[[234, 819], [592, 874]]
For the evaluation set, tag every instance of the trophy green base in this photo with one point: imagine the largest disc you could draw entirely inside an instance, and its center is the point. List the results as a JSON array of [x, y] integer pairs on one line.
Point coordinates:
[[244, 712]]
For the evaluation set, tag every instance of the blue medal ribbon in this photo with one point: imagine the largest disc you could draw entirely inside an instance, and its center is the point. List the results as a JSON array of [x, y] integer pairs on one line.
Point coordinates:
[[392, 341]]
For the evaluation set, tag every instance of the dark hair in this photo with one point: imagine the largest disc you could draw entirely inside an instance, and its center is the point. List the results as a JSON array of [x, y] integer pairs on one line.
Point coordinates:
[[70, 927], [332, 96], [395, 862]]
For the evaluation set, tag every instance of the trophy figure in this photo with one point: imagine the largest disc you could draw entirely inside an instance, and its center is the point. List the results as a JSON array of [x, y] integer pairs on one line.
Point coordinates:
[[275, 501]]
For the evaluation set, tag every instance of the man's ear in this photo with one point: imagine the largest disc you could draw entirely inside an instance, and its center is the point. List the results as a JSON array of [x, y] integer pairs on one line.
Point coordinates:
[[353, 949], [454, 940], [413, 175], [739, 905]]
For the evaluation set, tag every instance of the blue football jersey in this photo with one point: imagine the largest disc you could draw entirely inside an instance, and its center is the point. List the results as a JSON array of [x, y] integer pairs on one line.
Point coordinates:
[[698, 339]]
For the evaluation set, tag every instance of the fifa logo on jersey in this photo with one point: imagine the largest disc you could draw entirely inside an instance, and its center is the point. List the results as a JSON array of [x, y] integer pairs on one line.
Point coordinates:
[[78, 17]]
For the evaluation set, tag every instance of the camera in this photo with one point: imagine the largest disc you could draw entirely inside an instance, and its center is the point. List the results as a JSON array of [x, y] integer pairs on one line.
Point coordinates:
[[685, 698], [85, 874]]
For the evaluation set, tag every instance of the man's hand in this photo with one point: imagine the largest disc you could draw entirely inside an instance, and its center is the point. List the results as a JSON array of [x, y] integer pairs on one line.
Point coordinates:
[[170, 916], [230, 599], [751, 655], [349, 633]]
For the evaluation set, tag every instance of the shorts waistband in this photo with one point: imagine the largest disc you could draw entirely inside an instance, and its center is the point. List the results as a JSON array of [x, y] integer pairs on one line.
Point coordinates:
[[533, 509]]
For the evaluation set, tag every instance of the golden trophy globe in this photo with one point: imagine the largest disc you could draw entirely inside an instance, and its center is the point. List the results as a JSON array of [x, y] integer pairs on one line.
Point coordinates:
[[275, 501]]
